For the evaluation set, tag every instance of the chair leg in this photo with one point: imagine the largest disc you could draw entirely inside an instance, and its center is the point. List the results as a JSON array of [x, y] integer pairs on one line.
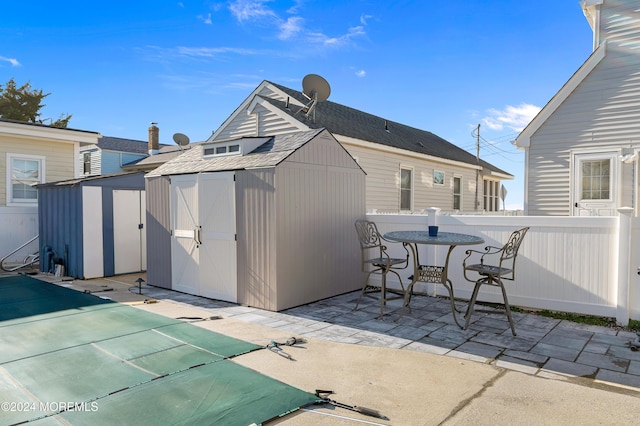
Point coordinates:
[[364, 287], [383, 293], [507, 308], [472, 302]]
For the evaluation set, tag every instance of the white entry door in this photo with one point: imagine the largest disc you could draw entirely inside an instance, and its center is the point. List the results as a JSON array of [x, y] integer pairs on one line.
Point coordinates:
[[203, 248], [595, 178], [129, 231]]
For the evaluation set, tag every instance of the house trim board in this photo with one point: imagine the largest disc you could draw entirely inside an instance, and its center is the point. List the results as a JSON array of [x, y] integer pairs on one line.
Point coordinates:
[[51, 134]]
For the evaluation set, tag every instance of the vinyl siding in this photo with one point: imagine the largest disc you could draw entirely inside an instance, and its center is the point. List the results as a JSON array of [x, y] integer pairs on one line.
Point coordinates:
[[383, 181], [95, 155], [272, 124], [59, 159], [601, 114], [111, 162], [241, 125]]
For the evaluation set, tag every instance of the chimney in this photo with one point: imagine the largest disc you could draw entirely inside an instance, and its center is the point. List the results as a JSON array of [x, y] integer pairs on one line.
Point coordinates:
[[154, 139]]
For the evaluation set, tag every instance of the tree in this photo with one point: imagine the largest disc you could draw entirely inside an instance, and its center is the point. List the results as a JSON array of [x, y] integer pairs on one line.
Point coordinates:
[[24, 104]]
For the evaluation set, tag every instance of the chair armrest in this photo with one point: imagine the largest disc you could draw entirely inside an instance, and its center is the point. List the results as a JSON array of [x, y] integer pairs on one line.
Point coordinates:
[[488, 250], [383, 251]]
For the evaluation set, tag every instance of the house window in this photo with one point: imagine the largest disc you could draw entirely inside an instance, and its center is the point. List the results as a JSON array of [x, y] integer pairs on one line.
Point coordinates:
[[457, 193], [234, 148], [438, 178], [221, 150], [24, 172], [596, 179], [491, 196], [86, 160], [406, 186]]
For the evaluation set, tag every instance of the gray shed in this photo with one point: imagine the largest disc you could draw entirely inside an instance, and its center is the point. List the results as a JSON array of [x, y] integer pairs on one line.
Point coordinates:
[[94, 226], [260, 221]]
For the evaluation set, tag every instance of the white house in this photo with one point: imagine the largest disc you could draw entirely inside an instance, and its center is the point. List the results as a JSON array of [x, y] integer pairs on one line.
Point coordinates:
[[408, 169], [581, 150], [31, 154]]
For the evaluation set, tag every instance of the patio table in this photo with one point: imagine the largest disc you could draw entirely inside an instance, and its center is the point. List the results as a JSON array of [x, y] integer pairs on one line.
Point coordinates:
[[431, 273]]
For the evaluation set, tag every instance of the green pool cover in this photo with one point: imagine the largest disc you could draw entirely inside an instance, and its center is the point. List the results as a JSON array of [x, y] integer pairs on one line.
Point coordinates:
[[68, 357]]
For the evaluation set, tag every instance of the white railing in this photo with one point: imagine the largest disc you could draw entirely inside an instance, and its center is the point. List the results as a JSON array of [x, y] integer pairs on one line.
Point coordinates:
[[568, 264]]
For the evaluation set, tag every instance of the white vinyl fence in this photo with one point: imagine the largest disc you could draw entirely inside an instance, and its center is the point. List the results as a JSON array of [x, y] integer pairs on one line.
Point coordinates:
[[586, 265]]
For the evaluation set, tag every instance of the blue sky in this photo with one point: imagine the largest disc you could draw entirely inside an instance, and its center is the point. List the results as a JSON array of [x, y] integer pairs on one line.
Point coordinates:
[[441, 66]]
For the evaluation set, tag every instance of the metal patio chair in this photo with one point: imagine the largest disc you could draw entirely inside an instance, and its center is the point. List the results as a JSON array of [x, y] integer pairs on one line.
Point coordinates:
[[496, 264], [373, 244]]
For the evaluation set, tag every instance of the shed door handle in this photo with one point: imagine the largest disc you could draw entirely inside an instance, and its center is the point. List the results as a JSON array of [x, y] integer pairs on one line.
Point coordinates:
[[196, 235]]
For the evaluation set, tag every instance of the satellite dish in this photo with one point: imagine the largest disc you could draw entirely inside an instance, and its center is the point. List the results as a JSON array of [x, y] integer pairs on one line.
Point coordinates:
[[181, 139], [316, 89]]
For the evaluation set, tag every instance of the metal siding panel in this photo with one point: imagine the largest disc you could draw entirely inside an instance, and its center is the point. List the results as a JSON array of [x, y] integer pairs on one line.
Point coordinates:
[[60, 217], [158, 232]]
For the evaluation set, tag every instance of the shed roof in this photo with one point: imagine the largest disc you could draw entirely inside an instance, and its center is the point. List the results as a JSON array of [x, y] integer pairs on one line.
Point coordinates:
[[272, 151], [82, 180], [343, 120]]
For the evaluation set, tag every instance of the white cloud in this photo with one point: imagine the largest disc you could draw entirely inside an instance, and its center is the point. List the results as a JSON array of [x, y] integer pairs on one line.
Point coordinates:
[[209, 52], [206, 19], [297, 5], [364, 18], [515, 118], [337, 41], [290, 27], [13, 61], [245, 10], [361, 73]]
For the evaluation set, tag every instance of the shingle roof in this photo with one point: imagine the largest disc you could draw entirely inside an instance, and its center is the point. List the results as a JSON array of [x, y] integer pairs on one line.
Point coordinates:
[[124, 145], [343, 120], [270, 153]]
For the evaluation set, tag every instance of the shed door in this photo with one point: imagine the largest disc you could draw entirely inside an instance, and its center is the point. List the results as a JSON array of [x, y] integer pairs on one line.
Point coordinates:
[[184, 221], [203, 248], [129, 233], [218, 236]]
